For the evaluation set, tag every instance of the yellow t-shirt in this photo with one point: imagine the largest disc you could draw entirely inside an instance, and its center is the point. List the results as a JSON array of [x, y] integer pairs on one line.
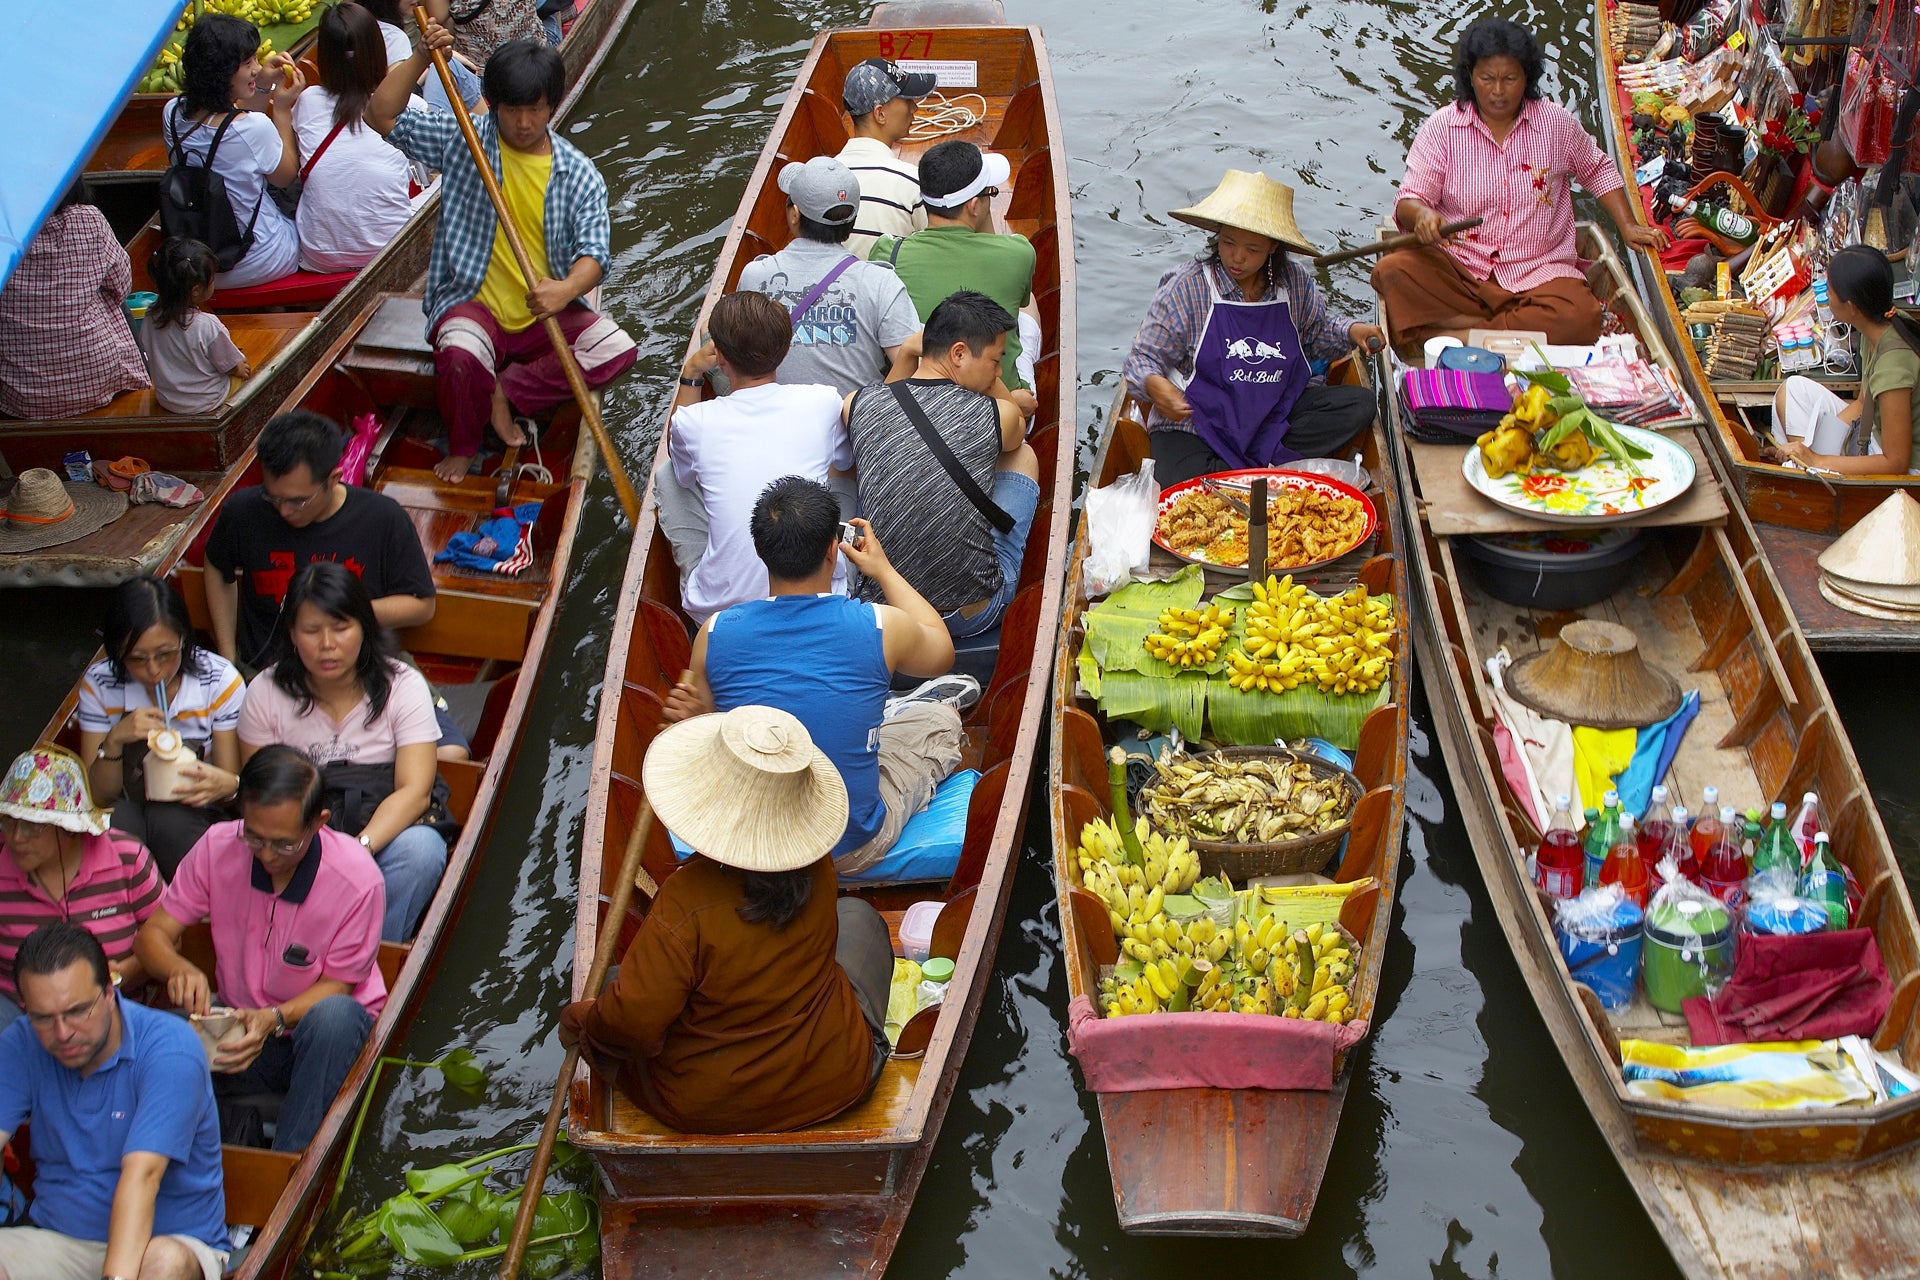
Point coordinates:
[[504, 290]]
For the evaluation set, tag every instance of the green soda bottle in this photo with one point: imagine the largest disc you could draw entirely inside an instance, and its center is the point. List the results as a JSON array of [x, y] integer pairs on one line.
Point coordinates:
[[1824, 884], [1602, 835], [1776, 854]]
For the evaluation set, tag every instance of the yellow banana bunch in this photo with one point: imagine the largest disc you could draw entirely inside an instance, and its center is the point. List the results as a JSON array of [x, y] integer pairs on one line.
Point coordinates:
[[1190, 637], [1344, 644], [166, 74], [1320, 964]]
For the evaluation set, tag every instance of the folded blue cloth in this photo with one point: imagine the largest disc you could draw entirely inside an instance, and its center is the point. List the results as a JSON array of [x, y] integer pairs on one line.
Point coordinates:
[[1652, 754], [502, 544]]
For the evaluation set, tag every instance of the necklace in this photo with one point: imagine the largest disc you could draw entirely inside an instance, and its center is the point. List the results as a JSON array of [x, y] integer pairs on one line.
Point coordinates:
[[66, 881]]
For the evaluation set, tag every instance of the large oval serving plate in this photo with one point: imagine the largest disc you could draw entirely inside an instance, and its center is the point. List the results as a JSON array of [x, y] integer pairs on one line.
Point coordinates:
[[1604, 492], [1277, 478]]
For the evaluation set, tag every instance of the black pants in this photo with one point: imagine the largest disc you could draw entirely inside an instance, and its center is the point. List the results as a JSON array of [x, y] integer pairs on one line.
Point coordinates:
[[866, 953], [1323, 421], [167, 828]]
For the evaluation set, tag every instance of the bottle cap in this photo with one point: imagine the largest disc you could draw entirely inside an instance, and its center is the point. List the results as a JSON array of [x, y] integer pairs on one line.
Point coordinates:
[[938, 969], [1679, 815], [1611, 798], [1712, 795], [1810, 798], [1659, 793], [1563, 802], [1778, 811], [1727, 815], [1821, 837], [1626, 822]]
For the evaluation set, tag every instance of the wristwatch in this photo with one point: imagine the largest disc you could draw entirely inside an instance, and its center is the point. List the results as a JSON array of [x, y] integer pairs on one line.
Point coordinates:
[[366, 843], [279, 1022], [693, 382], [100, 753]]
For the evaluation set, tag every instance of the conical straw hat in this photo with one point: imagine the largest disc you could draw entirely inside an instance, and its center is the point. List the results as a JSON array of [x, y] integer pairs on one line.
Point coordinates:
[[1893, 595], [1841, 597], [1594, 675], [1249, 202], [1883, 548], [748, 788]]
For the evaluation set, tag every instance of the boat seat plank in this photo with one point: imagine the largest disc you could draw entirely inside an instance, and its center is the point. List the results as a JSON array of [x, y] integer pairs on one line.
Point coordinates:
[[259, 337], [1795, 555], [879, 1114], [1453, 507], [254, 1179]]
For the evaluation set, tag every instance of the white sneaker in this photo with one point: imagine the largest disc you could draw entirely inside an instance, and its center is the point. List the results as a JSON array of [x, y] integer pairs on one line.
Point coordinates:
[[957, 691]]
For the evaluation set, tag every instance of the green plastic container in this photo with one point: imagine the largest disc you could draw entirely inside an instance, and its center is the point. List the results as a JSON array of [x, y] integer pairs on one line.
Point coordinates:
[[1688, 947]]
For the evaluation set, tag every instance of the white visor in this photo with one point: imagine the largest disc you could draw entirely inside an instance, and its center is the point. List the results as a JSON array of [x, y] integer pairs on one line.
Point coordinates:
[[994, 170]]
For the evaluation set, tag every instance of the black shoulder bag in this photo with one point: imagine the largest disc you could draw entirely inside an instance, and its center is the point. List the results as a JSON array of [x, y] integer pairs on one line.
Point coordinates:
[[918, 417]]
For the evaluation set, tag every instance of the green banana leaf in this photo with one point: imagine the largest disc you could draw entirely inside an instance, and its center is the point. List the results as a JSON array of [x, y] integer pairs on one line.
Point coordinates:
[[1250, 718], [1158, 703], [1117, 627]]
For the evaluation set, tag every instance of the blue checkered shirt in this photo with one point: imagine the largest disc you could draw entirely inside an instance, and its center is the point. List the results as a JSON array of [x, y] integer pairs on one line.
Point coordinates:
[[576, 224]]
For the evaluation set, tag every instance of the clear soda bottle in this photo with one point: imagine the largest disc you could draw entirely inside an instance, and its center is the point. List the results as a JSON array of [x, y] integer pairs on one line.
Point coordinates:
[[1824, 883], [1600, 836], [1675, 847], [1724, 870], [1560, 865], [1706, 828], [1624, 866], [1807, 825]]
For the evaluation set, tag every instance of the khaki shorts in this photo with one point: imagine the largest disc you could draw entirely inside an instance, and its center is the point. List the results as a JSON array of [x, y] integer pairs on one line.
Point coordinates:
[[34, 1253]]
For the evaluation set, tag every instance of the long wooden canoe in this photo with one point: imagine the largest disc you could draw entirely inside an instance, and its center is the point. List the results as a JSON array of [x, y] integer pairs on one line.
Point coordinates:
[[1227, 1162], [283, 345], [1796, 514], [484, 650], [1821, 1193], [832, 1199]]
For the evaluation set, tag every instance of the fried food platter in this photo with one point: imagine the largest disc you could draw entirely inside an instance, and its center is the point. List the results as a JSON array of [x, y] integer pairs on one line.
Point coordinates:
[[1311, 519]]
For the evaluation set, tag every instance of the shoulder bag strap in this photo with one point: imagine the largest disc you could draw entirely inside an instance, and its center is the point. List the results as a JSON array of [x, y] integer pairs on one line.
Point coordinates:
[[893, 256], [819, 290], [918, 417], [321, 150]]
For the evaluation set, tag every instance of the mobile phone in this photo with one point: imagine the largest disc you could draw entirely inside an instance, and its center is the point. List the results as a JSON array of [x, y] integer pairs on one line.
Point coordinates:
[[850, 534]]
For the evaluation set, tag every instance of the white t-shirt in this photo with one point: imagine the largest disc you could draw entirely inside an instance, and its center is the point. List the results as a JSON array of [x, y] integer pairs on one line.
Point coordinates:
[[725, 452], [248, 153], [190, 362], [355, 200], [889, 193], [208, 701], [399, 48]]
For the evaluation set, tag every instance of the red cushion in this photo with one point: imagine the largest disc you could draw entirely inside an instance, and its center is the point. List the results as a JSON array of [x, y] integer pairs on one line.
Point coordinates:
[[298, 289]]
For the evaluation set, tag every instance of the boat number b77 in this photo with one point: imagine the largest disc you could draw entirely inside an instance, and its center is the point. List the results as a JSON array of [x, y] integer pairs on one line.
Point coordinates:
[[903, 44]]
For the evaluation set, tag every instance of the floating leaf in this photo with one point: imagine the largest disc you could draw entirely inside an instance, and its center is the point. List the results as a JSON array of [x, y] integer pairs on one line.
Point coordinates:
[[470, 1214], [428, 1184], [415, 1233], [463, 1071], [562, 1213]]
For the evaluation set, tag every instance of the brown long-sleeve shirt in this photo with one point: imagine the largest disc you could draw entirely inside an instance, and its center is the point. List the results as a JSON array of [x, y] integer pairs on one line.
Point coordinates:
[[721, 1026]]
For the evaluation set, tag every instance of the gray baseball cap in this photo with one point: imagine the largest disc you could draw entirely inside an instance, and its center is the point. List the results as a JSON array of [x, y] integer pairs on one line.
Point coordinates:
[[822, 189], [878, 81]]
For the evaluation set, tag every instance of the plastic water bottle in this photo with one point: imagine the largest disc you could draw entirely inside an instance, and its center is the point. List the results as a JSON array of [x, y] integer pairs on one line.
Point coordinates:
[[1776, 855], [1600, 836], [1807, 824], [1559, 867], [1655, 825], [1624, 866], [1824, 884]]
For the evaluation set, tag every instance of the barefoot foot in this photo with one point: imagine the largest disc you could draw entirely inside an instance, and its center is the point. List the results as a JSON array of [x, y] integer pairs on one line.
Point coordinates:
[[513, 435], [453, 468]]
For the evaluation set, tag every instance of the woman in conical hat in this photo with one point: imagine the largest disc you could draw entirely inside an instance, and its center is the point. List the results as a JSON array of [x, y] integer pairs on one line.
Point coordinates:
[[1242, 321], [1501, 153]]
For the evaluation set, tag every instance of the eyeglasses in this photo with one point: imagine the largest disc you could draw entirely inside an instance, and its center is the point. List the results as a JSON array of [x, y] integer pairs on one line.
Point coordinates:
[[13, 829], [285, 848], [287, 506], [158, 658], [67, 1017]]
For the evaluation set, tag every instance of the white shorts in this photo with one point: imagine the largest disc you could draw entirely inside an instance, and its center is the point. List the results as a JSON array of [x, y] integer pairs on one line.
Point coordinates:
[[34, 1253], [1809, 408]]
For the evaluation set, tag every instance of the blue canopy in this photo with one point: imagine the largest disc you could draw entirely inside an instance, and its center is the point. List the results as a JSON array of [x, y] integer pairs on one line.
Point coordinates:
[[73, 66]]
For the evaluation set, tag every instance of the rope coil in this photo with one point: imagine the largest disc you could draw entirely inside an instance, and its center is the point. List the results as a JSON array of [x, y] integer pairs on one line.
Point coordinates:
[[940, 116]]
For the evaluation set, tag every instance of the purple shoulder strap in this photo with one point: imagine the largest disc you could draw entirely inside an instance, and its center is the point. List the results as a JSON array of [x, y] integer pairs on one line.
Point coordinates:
[[819, 290]]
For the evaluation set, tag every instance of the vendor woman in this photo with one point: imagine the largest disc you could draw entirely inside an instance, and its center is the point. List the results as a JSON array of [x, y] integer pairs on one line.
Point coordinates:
[[1886, 417], [1501, 154], [1242, 321], [751, 1001]]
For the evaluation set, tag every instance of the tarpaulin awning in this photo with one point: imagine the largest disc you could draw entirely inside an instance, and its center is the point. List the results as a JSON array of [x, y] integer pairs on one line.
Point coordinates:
[[72, 68]]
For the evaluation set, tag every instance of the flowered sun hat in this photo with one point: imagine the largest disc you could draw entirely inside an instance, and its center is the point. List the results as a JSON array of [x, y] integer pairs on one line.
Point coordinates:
[[49, 784]]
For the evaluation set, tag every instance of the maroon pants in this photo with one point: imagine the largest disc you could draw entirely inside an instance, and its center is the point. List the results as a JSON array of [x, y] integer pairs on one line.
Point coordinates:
[[1426, 293], [471, 352]]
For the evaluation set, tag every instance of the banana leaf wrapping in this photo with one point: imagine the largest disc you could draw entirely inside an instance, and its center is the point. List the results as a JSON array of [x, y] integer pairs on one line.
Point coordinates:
[[1131, 684]]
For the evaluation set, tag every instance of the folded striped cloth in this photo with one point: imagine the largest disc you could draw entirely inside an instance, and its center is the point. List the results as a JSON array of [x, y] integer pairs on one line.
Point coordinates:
[[1445, 404], [502, 544]]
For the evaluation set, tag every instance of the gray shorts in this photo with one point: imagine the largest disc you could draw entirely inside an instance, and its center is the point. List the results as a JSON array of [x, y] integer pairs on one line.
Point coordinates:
[[34, 1253]]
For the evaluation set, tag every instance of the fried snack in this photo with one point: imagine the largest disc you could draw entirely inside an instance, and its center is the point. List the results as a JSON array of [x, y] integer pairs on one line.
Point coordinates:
[[1304, 526]]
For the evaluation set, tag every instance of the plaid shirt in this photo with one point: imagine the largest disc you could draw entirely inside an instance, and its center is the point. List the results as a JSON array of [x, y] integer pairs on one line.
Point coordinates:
[[576, 224], [1170, 333], [65, 346]]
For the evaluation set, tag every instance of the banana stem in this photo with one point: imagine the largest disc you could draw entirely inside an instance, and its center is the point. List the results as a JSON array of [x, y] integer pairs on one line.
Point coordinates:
[[1117, 784]]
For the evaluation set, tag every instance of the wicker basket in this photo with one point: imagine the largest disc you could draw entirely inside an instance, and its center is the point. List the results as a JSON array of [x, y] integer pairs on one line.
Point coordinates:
[[1240, 862]]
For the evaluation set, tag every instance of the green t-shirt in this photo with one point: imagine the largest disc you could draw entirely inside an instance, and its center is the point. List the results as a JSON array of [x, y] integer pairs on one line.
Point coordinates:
[[943, 260], [1891, 365]]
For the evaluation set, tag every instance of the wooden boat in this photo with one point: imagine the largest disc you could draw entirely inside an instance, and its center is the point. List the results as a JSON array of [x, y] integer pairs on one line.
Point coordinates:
[[1734, 1193], [1796, 513], [284, 332], [483, 650], [832, 1199], [1226, 1162]]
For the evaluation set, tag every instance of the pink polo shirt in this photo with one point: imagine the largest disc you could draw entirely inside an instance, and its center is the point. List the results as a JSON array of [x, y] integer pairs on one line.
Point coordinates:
[[1521, 187], [270, 947], [115, 889]]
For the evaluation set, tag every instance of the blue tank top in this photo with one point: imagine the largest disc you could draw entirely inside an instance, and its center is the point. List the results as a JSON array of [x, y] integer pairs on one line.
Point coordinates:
[[822, 659]]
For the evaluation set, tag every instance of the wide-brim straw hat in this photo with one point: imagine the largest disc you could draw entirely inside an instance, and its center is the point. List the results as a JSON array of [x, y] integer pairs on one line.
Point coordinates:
[[43, 511], [48, 784], [1249, 202], [747, 788], [1594, 675], [1883, 549]]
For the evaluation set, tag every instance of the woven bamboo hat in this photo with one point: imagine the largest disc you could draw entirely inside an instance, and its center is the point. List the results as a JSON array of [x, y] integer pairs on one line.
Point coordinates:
[[1882, 550], [1594, 675], [44, 512], [747, 787], [1249, 202]]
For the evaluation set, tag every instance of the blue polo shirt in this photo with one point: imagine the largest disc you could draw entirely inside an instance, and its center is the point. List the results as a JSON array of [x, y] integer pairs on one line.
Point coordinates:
[[154, 1094]]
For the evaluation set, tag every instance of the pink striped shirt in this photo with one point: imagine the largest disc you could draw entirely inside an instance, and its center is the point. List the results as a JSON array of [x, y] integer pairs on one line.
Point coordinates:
[[115, 889], [1521, 187]]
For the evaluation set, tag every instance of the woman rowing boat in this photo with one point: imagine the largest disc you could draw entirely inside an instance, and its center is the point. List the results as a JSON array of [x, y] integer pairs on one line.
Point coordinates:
[[1501, 154], [1244, 319]]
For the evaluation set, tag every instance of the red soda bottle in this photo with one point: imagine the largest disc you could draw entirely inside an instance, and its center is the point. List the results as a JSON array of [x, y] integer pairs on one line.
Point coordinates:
[[1624, 866], [1655, 825], [1560, 865], [1724, 869], [1706, 828], [1677, 847]]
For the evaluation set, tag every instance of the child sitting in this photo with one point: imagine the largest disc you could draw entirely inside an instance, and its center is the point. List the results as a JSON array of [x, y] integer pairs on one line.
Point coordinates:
[[189, 352]]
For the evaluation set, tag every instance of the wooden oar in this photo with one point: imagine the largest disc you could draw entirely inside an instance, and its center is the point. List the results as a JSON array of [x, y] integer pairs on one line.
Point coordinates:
[[1404, 241], [630, 872], [590, 411]]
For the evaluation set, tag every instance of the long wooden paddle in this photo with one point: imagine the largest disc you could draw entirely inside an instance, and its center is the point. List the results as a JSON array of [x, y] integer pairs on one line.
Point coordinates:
[[589, 410], [1404, 241], [630, 873]]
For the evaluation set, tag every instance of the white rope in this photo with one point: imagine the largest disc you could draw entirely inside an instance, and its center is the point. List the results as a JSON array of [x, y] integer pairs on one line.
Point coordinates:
[[940, 117], [532, 470]]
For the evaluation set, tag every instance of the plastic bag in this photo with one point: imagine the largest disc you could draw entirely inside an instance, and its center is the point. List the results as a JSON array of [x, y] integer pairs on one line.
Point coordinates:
[[360, 437], [1774, 906], [1599, 935], [1689, 943], [1120, 520]]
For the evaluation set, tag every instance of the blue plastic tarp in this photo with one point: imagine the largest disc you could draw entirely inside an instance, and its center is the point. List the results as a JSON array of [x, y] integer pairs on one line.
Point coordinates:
[[72, 67]]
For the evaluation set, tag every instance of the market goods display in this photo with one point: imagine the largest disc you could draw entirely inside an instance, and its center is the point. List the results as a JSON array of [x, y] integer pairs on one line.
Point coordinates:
[[1190, 637], [167, 75], [1549, 431], [1343, 643], [1310, 519], [1246, 798]]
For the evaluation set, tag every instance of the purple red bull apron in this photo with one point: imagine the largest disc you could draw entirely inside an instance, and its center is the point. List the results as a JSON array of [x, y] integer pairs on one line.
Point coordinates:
[[1248, 372]]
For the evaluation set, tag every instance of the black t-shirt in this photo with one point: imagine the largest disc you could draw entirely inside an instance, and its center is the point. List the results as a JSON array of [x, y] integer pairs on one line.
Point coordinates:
[[370, 534]]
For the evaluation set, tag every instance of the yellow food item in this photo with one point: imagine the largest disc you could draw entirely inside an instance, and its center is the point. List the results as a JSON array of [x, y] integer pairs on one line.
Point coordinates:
[[1506, 448]]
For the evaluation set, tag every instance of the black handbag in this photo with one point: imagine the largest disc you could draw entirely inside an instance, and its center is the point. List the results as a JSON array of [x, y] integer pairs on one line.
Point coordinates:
[[354, 791]]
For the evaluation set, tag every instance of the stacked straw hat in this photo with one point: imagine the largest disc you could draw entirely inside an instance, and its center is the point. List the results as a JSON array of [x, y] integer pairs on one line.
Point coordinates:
[[747, 788], [1249, 202], [1874, 568], [1594, 675]]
